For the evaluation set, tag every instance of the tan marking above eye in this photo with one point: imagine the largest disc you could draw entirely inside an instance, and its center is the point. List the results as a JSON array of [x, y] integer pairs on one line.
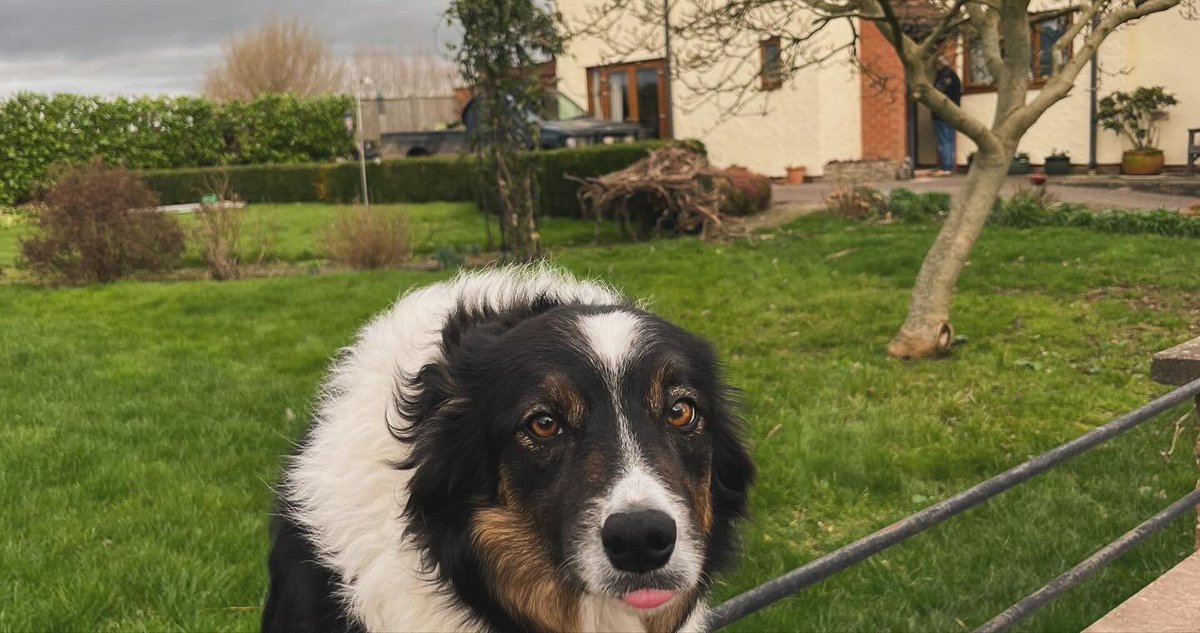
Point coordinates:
[[681, 414], [543, 426]]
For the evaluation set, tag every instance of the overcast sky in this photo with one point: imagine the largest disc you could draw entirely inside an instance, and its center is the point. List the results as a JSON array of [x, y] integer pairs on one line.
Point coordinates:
[[123, 47]]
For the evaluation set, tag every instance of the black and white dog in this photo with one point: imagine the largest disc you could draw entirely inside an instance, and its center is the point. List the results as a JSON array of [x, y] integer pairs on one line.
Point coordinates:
[[511, 450]]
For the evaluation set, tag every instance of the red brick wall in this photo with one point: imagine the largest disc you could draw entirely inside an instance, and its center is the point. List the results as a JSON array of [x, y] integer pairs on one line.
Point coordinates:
[[884, 124]]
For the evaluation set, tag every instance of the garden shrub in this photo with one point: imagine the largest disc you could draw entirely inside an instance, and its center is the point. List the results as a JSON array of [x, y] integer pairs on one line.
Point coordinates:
[[745, 193], [909, 206], [1023, 210], [1035, 207], [856, 202], [369, 237], [162, 132], [97, 225]]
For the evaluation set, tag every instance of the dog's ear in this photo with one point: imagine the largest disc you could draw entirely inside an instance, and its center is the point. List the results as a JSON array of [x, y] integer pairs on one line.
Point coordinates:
[[449, 463], [733, 472], [453, 463]]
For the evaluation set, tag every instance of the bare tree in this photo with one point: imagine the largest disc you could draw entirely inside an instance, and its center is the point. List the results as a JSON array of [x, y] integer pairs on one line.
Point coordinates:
[[280, 56], [718, 38], [404, 76]]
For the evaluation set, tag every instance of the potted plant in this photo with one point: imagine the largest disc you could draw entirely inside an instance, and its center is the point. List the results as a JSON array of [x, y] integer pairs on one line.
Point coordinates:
[[1135, 115], [1058, 163], [796, 174], [1019, 165]]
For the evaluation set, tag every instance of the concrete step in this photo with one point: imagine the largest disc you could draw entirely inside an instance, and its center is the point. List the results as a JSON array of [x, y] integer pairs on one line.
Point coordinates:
[[1170, 604]]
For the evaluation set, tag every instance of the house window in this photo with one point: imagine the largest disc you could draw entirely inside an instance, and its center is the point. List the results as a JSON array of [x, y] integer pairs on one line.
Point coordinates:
[[772, 64], [634, 92], [1044, 33]]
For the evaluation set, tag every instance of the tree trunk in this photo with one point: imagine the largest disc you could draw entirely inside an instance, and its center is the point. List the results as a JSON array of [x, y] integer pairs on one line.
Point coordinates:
[[927, 331]]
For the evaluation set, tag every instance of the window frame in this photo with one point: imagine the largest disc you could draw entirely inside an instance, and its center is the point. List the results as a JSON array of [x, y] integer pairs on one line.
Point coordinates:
[[766, 82], [969, 86], [630, 70]]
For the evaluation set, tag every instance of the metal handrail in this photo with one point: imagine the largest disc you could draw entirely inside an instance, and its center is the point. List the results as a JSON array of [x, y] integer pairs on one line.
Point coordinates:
[[817, 570], [1089, 566]]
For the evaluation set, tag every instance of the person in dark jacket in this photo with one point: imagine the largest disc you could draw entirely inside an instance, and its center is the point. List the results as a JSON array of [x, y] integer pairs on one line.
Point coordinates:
[[947, 83]]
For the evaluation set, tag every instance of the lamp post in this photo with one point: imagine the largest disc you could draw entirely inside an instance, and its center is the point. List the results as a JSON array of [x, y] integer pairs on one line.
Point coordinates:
[[364, 83]]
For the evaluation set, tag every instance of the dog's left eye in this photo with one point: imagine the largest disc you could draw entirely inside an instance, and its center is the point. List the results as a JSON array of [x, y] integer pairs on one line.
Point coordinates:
[[543, 426], [681, 415]]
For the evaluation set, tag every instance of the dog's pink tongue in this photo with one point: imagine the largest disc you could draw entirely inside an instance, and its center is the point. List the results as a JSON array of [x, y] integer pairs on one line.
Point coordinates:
[[648, 598]]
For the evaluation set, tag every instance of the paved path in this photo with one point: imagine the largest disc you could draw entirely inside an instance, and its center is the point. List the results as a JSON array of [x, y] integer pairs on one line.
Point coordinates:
[[1096, 198]]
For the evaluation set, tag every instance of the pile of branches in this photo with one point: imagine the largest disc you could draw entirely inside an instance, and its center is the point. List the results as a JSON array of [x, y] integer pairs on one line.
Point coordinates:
[[672, 188]]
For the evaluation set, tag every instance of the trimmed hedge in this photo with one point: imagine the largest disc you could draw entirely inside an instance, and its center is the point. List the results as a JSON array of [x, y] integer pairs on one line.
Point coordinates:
[[416, 179], [162, 132]]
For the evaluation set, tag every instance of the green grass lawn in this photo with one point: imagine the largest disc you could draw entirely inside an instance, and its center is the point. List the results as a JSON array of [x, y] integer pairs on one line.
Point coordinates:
[[300, 230], [144, 423]]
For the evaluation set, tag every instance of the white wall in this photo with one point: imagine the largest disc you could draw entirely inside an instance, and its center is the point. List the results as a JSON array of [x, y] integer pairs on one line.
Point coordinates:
[[816, 116], [1162, 49], [812, 119]]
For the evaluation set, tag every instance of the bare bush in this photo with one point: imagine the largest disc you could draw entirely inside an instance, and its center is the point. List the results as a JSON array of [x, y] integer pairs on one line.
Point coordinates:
[[233, 237], [99, 223], [222, 236], [281, 56], [369, 237], [856, 202]]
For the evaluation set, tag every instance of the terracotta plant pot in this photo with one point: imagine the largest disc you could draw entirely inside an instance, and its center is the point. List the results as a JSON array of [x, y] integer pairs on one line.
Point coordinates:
[[795, 175], [1146, 162]]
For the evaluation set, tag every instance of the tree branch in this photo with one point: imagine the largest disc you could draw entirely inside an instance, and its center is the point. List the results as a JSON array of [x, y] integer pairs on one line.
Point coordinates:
[[1059, 85]]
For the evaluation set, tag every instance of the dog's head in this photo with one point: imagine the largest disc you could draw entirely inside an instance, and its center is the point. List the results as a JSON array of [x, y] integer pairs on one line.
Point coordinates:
[[570, 458]]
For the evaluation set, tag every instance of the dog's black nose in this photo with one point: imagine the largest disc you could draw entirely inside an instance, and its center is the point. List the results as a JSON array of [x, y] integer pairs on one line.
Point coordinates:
[[638, 541]]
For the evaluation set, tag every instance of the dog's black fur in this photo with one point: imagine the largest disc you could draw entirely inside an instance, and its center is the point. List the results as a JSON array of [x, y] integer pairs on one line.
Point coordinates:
[[458, 418]]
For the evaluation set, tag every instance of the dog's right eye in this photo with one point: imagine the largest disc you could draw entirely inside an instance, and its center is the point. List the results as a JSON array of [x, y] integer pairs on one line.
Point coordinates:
[[543, 426]]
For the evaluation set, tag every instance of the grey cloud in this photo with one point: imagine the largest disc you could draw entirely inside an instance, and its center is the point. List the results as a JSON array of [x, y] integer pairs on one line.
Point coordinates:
[[153, 46]]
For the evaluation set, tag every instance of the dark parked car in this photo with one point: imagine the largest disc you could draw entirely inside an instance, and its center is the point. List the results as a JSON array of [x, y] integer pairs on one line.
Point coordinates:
[[562, 123]]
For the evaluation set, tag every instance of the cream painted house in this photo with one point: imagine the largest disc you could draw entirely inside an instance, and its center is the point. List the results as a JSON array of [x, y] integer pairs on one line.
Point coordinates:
[[833, 112]]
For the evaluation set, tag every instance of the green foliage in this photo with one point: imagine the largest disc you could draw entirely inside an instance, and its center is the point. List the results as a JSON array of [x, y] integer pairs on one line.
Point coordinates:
[[503, 41], [1132, 114], [252, 183], [918, 207], [283, 128], [417, 179], [1026, 208], [162, 132], [1035, 208]]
